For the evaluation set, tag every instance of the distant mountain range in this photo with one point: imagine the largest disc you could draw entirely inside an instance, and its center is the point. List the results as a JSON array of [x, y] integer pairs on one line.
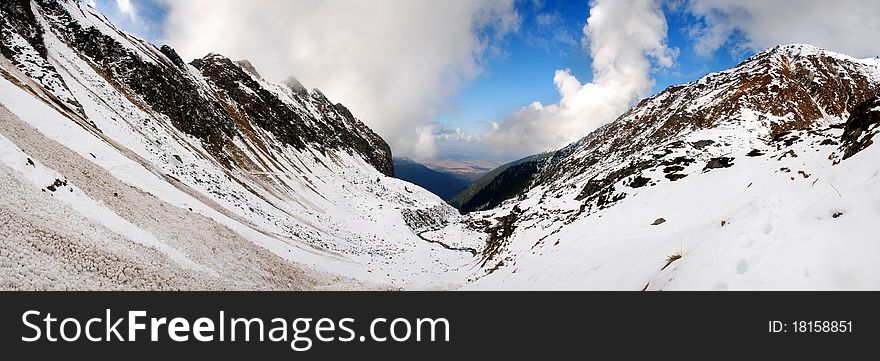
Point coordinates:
[[469, 169], [444, 184]]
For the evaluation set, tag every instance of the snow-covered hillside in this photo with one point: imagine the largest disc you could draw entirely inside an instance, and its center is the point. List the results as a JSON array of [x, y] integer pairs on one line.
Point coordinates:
[[735, 181], [204, 173]]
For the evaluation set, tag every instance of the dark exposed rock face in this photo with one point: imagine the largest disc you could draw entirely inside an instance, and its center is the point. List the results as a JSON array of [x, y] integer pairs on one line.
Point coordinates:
[[755, 153], [173, 56], [368, 143], [162, 86], [499, 238], [237, 86], [21, 41], [720, 162], [159, 81], [861, 127], [703, 143], [639, 182], [18, 19], [253, 102]]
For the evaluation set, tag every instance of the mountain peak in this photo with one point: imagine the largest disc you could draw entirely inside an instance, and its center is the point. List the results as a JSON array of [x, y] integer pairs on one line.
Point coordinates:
[[798, 48], [212, 57], [248, 67], [804, 51], [294, 84]]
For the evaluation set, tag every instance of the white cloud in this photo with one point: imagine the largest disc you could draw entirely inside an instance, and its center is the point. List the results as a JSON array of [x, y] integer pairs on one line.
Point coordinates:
[[623, 37], [847, 26], [456, 134], [125, 7], [395, 64]]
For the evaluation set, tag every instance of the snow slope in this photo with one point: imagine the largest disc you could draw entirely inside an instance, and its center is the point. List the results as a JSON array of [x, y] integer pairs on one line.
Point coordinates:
[[256, 194]]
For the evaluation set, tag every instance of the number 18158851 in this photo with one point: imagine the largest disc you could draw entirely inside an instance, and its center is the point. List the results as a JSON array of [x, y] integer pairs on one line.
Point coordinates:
[[815, 326]]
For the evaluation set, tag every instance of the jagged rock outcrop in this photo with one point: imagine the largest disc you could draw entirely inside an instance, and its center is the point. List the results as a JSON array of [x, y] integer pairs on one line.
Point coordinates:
[[249, 102], [21, 41], [861, 127]]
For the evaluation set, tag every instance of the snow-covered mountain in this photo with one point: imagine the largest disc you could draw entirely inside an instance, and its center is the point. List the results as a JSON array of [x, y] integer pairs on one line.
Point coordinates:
[[744, 179], [125, 167]]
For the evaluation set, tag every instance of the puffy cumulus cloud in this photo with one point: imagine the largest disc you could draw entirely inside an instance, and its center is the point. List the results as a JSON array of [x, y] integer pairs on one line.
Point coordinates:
[[394, 63], [626, 39], [846, 26]]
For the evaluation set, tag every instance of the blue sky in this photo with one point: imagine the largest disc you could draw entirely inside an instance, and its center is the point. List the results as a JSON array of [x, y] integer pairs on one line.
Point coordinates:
[[516, 69]]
